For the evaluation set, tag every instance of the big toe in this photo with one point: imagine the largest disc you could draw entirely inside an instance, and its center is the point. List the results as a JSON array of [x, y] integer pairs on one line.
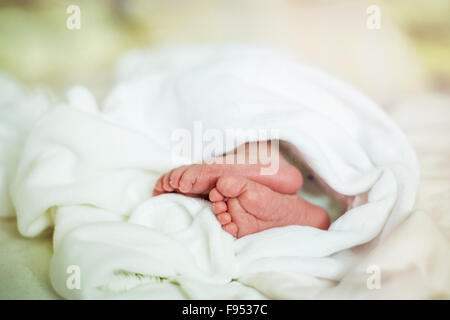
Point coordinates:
[[231, 186]]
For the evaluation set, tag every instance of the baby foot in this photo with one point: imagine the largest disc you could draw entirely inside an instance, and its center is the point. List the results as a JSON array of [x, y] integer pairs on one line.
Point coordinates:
[[201, 178], [191, 179], [244, 207]]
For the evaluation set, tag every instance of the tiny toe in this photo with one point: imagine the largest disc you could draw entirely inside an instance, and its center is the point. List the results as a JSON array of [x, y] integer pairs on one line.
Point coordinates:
[[231, 228], [166, 184], [219, 207], [175, 176], [224, 218], [169, 180], [186, 182], [215, 195]]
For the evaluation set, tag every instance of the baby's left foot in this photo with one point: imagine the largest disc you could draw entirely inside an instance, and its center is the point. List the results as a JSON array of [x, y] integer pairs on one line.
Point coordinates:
[[244, 207]]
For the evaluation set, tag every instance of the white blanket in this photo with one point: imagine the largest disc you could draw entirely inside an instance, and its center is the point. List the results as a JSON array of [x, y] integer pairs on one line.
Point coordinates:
[[88, 171]]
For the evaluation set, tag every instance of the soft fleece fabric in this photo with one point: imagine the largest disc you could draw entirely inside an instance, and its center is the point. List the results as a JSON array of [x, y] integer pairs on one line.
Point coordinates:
[[87, 171]]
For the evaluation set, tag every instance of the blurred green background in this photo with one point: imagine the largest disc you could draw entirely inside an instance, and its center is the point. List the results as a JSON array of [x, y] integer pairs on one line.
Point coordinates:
[[409, 53]]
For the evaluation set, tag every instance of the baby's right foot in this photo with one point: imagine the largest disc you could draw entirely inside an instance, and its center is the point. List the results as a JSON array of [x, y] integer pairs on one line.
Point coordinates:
[[244, 207]]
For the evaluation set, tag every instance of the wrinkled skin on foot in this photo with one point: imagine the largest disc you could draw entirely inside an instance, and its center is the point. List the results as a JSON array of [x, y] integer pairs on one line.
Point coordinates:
[[245, 207], [201, 178], [244, 200]]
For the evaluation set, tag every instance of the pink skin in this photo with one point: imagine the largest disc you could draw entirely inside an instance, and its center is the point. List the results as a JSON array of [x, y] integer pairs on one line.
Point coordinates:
[[245, 207], [244, 201], [199, 179]]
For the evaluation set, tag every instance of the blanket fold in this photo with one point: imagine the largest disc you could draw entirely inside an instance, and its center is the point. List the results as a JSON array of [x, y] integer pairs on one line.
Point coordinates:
[[88, 170]]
